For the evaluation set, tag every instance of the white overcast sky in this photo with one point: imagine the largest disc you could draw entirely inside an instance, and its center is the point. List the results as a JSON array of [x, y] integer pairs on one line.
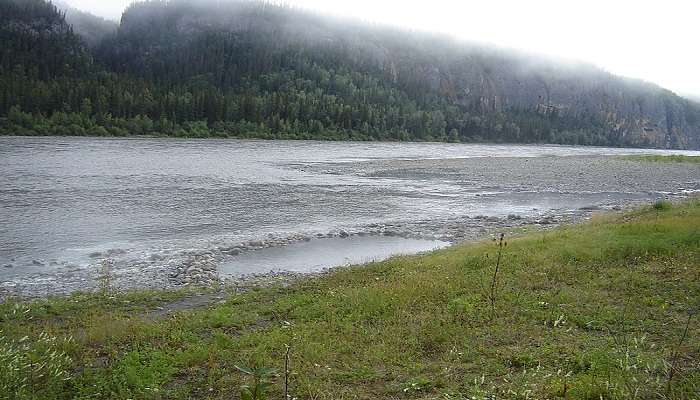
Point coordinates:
[[654, 40]]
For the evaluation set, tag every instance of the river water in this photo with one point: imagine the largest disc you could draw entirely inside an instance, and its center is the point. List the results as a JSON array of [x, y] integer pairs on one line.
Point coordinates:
[[69, 203]]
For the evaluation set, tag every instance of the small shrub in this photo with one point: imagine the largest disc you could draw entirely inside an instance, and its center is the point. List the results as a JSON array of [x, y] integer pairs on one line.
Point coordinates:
[[465, 308], [262, 381], [419, 384], [662, 205]]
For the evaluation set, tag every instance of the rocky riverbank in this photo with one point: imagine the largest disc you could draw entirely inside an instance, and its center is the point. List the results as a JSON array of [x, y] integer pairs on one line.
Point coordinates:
[[200, 268], [225, 216]]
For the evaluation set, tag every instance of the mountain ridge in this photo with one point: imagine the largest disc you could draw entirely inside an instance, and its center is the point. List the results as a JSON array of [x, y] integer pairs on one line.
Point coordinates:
[[254, 69]]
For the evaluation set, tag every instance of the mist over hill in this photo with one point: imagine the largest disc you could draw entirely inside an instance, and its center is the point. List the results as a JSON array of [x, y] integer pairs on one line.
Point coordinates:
[[251, 69], [91, 28], [695, 98]]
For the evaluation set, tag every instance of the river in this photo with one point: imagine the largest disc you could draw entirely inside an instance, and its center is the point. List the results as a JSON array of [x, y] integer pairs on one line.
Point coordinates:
[[67, 204]]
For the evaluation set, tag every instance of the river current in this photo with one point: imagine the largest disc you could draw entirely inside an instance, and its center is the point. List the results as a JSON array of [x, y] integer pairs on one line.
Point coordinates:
[[70, 203]]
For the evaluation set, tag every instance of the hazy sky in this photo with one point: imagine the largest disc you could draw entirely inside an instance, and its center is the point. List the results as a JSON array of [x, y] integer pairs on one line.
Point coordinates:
[[654, 40]]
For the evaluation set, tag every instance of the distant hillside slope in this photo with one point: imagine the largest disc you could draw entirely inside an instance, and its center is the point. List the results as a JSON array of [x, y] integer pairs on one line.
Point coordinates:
[[37, 42], [91, 28], [247, 68]]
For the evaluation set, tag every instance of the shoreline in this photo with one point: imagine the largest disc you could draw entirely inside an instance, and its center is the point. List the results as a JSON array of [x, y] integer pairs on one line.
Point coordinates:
[[636, 150], [566, 299], [199, 270], [437, 199]]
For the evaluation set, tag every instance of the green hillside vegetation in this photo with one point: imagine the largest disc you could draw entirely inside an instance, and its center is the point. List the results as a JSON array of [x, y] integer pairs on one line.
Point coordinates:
[[600, 310], [237, 68]]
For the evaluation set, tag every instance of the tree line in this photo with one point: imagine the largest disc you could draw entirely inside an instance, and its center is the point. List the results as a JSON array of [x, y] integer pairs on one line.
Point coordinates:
[[151, 79]]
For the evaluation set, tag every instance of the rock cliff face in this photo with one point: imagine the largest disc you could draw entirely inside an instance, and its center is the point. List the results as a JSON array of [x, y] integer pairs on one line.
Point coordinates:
[[475, 78], [637, 112]]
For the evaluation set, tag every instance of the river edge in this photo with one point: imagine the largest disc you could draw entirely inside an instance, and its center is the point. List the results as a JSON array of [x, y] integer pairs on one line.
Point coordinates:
[[199, 271], [564, 189], [562, 296]]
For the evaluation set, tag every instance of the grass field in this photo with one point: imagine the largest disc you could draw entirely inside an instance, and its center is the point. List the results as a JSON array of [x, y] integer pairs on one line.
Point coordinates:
[[599, 310], [672, 159]]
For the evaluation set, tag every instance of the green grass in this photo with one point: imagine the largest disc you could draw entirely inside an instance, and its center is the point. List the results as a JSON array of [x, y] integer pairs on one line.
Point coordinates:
[[670, 159], [661, 205], [581, 312]]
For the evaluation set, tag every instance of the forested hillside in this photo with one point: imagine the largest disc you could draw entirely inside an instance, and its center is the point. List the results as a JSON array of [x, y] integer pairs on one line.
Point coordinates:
[[251, 69]]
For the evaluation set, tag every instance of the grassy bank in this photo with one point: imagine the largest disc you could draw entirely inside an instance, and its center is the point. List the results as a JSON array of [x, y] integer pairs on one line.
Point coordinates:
[[582, 312], [671, 159]]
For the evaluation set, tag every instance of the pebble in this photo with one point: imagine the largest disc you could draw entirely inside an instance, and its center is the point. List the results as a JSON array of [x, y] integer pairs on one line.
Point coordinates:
[[546, 221]]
